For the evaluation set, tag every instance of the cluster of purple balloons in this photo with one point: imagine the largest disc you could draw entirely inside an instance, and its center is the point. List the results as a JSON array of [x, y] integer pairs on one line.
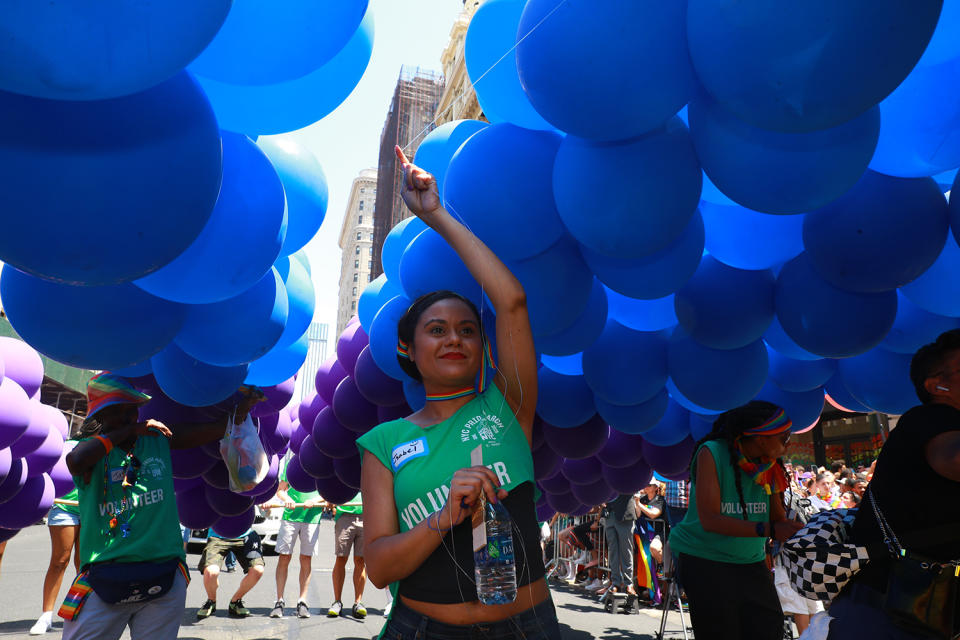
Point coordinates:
[[33, 470]]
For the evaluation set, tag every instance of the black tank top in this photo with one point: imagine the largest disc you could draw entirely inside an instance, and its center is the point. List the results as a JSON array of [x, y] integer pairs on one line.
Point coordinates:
[[910, 494]]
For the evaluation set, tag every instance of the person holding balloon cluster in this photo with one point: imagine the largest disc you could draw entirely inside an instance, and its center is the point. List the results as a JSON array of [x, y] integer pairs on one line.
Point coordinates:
[[131, 549], [419, 485]]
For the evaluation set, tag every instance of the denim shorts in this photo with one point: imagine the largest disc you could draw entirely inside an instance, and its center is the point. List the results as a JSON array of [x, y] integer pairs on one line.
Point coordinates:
[[60, 518], [536, 623]]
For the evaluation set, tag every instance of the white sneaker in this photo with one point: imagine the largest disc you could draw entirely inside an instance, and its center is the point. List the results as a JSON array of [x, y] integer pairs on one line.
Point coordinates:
[[42, 625], [386, 609], [593, 586]]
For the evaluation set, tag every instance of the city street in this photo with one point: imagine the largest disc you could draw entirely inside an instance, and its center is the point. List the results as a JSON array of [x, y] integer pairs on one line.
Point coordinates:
[[26, 557]]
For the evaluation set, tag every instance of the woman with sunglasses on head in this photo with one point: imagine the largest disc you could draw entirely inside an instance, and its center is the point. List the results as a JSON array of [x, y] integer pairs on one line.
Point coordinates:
[[736, 504], [420, 484]]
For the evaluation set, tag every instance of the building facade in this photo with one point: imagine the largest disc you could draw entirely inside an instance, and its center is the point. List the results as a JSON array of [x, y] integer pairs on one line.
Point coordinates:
[[318, 340], [356, 245], [459, 100]]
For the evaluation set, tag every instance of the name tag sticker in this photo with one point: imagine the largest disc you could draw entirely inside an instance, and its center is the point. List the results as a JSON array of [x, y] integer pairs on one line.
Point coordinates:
[[407, 451]]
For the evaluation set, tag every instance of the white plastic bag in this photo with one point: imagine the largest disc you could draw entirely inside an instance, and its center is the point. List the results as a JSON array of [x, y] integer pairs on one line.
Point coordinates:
[[242, 452]]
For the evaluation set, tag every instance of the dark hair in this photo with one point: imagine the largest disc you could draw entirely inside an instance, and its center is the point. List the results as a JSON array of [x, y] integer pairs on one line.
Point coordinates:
[[407, 326], [729, 426], [837, 465], [929, 359], [821, 476]]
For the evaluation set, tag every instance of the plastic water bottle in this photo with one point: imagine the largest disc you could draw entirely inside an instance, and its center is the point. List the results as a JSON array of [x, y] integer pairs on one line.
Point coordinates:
[[494, 563]]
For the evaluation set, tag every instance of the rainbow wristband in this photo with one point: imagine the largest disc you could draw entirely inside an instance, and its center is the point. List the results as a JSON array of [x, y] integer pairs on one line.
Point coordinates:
[[107, 444]]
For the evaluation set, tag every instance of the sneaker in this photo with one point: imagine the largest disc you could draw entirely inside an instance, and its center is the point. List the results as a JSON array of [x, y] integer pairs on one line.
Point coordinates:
[[593, 586], [334, 610], [42, 625], [303, 611], [277, 611], [237, 610], [207, 609], [386, 609], [359, 611]]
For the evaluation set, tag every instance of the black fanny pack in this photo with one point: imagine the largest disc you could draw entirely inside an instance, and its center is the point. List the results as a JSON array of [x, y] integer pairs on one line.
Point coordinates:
[[131, 582]]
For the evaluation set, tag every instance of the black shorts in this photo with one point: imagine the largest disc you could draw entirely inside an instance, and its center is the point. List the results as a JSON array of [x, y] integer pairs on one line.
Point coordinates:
[[248, 551], [582, 533]]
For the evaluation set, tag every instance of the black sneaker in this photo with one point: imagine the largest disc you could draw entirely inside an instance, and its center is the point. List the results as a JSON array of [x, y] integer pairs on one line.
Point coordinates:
[[237, 610], [335, 609], [277, 611], [207, 609], [303, 611]]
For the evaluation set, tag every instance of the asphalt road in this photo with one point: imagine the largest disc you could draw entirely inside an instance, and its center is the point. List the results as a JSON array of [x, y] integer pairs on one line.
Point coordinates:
[[27, 555]]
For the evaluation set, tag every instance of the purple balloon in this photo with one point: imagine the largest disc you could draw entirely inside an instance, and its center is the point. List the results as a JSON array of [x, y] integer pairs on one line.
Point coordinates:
[[591, 494], [193, 509], [217, 476], [538, 439], [212, 449], [298, 478], [47, 454], [279, 395], [227, 503], [37, 430], [328, 377], [29, 504], [279, 435], [563, 502], [545, 462], [353, 410], [6, 459], [669, 460], [678, 477], [21, 364], [352, 341], [235, 526], [555, 484], [584, 471], [374, 384], [395, 412], [267, 493], [545, 512], [297, 438], [273, 472], [578, 442], [59, 421], [165, 410], [62, 480], [582, 510], [16, 478], [15, 412], [182, 485], [190, 463], [333, 438], [333, 490], [309, 408], [348, 471], [6, 534], [263, 410], [628, 479], [315, 462], [621, 449]]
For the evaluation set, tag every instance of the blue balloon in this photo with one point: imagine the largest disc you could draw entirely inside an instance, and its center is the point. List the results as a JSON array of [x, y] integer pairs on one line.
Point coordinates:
[[945, 179], [748, 239], [241, 239], [673, 427], [636, 418], [557, 284], [286, 106], [415, 394], [584, 330], [954, 207], [104, 192], [797, 376], [238, 330], [803, 408], [712, 194], [571, 365], [880, 379], [493, 31], [383, 336], [301, 303], [646, 188], [100, 50], [700, 426], [518, 219], [687, 404], [396, 243], [777, 172], [642, 315], [825, 320], [915, 327], [723, 307], [430, 264], [606, 73], [437, 148], [373, 297], [777, 339], [135, 371], [653, 276], [889, 230], [803, 65], [305, 187], [279, 364], [625, 366], [945, 43], [704, 375], [193, 383], [919, 136], [839, 396], [109, 327], [261, 43], [938, 289], [563, 401]]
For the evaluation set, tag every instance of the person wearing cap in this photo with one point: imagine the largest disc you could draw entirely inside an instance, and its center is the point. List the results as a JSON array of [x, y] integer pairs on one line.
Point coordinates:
[[131, 550]]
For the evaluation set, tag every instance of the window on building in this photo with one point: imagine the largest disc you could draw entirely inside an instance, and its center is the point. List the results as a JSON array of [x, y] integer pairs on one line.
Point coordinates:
[[370, 265], [360, 219], [356, 264], [370, 277], [358, 251], [361, 205], [363, 189], [353, 306], [356, 276], [359, 235], [354, 291], [371, 236]]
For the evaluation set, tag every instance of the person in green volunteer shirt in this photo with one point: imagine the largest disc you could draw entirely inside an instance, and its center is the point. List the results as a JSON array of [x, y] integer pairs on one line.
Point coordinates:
[[736, 504], [301, 521], [348, 532], [419, 481], [131, 549]]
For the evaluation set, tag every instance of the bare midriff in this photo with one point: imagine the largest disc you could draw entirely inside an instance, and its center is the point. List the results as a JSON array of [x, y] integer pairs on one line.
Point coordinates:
[[463, 613]]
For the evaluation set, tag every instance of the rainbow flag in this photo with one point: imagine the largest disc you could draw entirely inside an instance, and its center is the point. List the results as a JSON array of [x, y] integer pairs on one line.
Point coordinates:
[[646, 567]]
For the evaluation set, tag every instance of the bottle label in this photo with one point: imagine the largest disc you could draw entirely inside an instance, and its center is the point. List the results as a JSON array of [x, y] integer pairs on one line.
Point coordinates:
[[477, 520]]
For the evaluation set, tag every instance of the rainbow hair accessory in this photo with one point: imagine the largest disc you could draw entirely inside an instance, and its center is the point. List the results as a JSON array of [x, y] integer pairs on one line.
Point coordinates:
[[403, 350], [776, 425]]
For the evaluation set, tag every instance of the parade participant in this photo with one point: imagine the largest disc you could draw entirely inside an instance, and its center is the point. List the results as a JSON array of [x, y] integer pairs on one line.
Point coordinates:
[[300, 521], [736, 503], [823, 497], [249, 554], [419, 488], [348, 532], [925, 524], [131, 550]]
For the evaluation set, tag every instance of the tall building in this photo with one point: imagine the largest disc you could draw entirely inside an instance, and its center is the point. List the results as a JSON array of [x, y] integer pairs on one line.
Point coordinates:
[[459, 100], [356, 245], [411, 117], [316, 354]]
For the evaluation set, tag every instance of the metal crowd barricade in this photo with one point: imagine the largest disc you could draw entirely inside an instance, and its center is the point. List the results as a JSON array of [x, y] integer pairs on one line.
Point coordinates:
[[565, 553]]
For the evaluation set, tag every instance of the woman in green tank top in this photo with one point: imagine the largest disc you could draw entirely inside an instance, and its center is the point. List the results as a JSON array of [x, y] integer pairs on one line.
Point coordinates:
[[736, 504]]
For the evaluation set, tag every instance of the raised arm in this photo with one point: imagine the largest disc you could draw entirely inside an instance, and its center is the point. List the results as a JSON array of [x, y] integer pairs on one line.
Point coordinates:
[[516, 357]]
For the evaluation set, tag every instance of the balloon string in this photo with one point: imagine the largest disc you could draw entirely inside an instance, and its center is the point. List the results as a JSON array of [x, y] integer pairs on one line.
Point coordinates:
[[483, 75]]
